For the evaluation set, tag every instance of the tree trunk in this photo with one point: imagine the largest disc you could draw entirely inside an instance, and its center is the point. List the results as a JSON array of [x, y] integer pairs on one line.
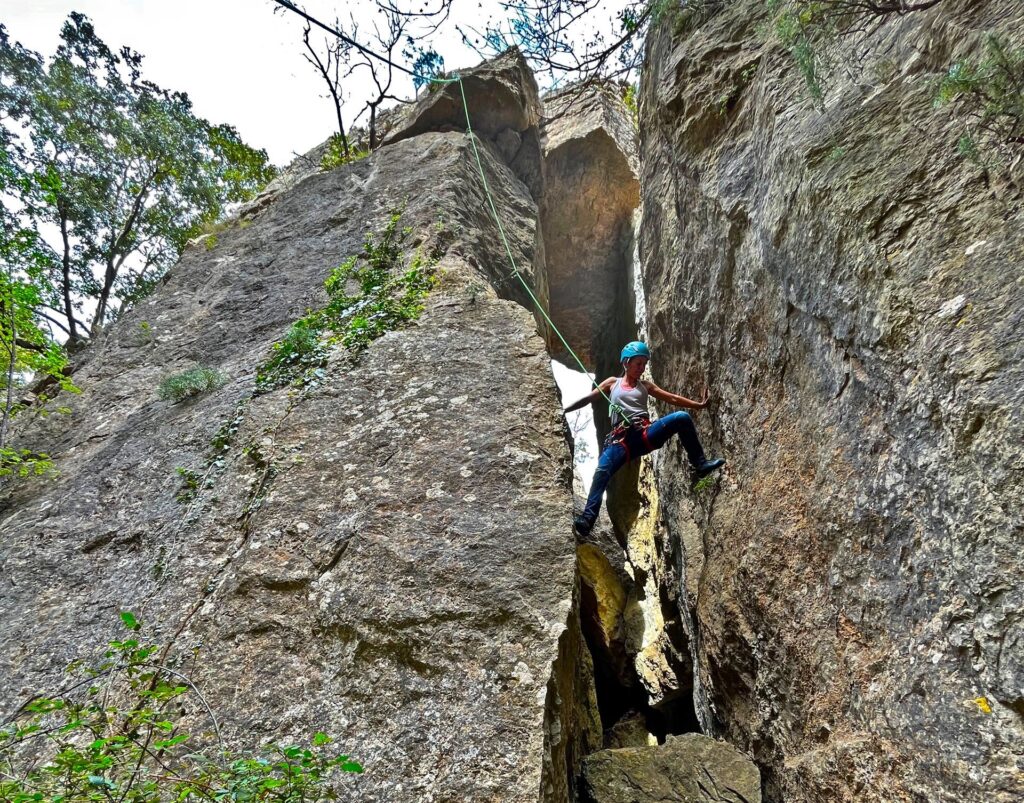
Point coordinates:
[[341, 123], [12, 351], [69, 310], [101, 309]]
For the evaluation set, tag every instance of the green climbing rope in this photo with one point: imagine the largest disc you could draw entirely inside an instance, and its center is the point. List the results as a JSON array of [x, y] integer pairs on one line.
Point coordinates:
[[504, 239]]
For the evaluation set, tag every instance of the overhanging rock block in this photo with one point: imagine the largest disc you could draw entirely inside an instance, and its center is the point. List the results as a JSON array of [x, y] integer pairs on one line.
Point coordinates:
[[501, 95]]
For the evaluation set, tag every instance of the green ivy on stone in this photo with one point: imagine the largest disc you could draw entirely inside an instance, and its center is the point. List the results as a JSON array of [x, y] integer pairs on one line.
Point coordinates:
[[368, 295]]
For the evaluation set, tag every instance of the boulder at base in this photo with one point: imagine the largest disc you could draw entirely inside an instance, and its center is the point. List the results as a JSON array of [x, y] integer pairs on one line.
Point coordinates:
[[686, 769]]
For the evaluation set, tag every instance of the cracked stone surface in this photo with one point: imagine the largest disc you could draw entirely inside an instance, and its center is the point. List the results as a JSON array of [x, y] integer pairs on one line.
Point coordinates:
[[385, 557], [686, 769], [851, 290]]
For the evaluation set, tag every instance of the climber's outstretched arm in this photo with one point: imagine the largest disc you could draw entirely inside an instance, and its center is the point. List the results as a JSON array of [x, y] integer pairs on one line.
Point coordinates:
[[602, 389], [677, 400]]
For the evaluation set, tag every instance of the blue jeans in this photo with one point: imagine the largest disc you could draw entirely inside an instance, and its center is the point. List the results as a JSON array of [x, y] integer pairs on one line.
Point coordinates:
[[636, 444]]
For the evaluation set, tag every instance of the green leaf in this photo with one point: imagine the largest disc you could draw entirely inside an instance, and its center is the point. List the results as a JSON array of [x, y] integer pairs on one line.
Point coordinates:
[[173, 742], [129, 620]]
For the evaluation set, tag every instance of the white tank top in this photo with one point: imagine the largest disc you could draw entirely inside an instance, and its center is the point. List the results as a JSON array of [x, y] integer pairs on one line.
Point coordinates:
[[632, 401]]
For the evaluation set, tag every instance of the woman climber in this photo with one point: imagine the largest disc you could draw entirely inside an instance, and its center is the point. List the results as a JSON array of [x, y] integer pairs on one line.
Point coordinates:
[[633, 433]]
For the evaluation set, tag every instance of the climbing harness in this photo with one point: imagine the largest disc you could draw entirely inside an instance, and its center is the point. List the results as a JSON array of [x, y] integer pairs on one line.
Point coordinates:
[[625, 432]]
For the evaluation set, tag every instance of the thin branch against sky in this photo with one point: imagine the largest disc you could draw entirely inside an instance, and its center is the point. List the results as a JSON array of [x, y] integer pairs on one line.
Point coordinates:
[[243, 64]]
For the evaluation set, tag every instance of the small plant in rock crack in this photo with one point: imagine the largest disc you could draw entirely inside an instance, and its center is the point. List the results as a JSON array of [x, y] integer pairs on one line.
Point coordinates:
[[703, 483], [296, 358], [190, 480], [368, 295], [988, 94], [225, 435], [193, 382], [116, 732], [143, 334]]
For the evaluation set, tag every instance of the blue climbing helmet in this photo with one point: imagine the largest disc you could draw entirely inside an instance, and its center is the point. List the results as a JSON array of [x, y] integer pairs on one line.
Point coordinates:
[[634, 349]]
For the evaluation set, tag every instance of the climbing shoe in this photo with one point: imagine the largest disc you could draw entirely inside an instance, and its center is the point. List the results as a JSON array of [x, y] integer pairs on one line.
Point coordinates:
[[582, 528], [705, 467]]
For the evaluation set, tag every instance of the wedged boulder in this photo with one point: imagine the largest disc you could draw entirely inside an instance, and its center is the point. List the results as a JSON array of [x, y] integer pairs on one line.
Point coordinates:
[[591, 192], [501, 94], [686, 769], [604, 600]]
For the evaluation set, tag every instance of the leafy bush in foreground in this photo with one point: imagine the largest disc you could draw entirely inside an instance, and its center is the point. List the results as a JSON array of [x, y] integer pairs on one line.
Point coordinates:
[[115, 733]]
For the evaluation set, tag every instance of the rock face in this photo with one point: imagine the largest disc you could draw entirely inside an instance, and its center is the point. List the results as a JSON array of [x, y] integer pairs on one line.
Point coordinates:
[[851, 290], [587, 220], [385, 556], [505, 110], [501, 94], [686, 769]]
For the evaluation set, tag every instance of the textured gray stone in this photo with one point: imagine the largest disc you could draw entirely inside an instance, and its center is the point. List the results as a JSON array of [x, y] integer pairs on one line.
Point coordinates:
[[686, 769], [851, 290], [501, 95], [587, 219], [386, 557]]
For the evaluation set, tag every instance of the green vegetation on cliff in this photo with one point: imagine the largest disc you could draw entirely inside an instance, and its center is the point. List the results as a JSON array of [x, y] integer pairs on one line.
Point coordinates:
[[368, 295], [117, 732]]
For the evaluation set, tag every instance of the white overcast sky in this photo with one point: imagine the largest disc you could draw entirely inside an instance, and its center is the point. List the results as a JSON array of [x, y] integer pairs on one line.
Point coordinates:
[[239, 61]]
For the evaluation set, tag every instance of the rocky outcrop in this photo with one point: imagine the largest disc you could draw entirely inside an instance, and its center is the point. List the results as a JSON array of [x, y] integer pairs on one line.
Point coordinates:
[[587, 219], [849, 287], [501, 94], [505, 111], [686, 769], [384, 556]]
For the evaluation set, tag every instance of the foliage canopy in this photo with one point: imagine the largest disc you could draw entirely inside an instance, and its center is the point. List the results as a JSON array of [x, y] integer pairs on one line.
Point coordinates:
[[117, 172]]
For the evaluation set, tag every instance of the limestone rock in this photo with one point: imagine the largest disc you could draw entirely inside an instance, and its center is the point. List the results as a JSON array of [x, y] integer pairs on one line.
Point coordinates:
[[587, 219], [385, 557], [501, 95], [850, 289], [686, 769]]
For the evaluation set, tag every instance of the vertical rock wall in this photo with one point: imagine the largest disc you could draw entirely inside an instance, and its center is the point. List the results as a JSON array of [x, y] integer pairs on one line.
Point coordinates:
[[851, 289], [591, 192], [385, 556]]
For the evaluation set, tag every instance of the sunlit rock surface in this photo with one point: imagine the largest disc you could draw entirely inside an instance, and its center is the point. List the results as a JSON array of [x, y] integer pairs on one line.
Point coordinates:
[[385, 557], [851, 290], [686, 769]]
